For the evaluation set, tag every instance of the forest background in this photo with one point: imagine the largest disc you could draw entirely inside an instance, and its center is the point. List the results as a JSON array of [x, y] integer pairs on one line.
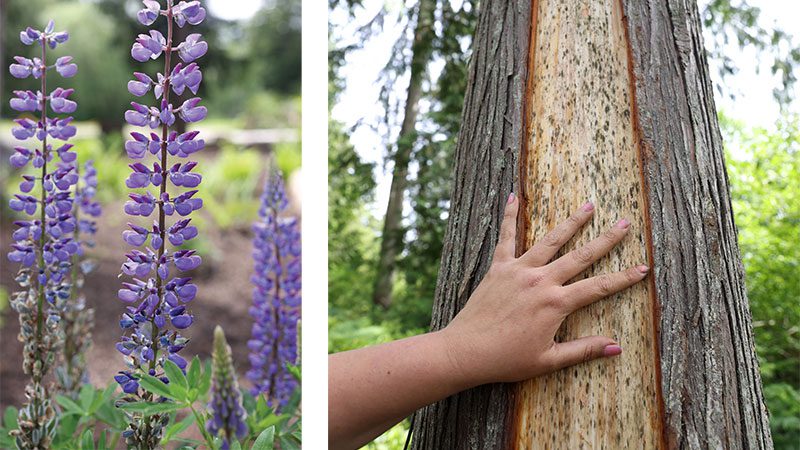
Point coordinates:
[[382, 53]]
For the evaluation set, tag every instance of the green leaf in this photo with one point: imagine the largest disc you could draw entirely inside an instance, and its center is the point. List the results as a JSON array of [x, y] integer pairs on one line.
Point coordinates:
[[266, 440], [150, 408], [156, 386], [86, 396], [102, 443], [67, 427], [261, 406], [295, 371], [193, 375], [236, 445], [177, 380], [177, 428], [10, 418], [103, 396], [205, 381], [69, 405], [271, 420], [111, 416], [288, 443], [87, 439]]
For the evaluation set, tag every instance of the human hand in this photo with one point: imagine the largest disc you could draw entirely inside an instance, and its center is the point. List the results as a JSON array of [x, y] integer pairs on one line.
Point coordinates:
[[506, 331]]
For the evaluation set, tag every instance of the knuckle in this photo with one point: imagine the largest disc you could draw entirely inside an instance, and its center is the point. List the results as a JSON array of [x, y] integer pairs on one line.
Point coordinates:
[[535, 278], [575, 219], [553, 300], [605, 285], [553, 239], [587, 354], [610, 236], [584, 255]]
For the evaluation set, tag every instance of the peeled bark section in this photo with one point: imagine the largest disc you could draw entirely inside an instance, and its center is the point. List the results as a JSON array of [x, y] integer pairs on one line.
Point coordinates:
[[610, 101], [581, 145]]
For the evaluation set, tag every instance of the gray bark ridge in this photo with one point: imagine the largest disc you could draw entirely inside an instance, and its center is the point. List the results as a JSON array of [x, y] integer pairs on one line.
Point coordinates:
[[710, 377], [485, 172]]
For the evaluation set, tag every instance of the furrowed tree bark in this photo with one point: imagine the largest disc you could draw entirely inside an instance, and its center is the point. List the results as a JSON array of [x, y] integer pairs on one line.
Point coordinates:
[[392, 237], [608, 101]]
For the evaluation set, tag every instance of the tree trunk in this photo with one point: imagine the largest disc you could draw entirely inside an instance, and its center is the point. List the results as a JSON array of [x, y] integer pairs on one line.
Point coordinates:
[[392, 237], [608, 101]]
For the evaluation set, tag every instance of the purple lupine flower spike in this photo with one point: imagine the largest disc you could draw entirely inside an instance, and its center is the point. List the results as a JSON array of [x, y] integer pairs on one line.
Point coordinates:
[[228, 416], [276, 297], [78, 317], [43, 244], [157, 291]]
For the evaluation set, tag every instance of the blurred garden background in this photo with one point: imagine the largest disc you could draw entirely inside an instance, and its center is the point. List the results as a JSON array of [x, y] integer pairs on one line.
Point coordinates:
[[379, 57], [251, 87]]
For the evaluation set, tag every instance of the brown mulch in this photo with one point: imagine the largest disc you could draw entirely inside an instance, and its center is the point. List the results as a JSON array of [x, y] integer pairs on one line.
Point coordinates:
[[224, 294]]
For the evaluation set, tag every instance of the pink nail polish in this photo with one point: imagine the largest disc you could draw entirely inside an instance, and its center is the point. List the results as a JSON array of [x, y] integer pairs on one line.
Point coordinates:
[[643, 268], [624, 223], [588, 206], [612, 350], [510, 198]]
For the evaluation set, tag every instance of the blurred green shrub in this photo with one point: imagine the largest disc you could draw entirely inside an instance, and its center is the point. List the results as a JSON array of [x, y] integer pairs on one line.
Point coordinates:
[[764, 170], [231, 187]]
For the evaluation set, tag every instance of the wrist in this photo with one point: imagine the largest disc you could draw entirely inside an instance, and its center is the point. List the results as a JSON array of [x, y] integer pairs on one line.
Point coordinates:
[[455, 355]]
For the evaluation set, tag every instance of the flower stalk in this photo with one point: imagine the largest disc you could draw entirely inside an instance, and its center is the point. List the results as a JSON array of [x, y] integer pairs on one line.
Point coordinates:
[[276, 297], [158, 300], [228, 416], [78, 318], [43, 246]]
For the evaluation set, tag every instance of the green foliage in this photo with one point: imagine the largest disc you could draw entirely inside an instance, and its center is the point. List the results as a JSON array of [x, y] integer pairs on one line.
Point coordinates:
[[764, 170], [231, 185], [3, 303], [98, 85], [738, 23]]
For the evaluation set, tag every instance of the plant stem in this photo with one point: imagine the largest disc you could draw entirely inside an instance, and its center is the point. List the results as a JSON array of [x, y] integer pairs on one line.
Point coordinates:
[[202, 426], [161, 215], [37, 377]]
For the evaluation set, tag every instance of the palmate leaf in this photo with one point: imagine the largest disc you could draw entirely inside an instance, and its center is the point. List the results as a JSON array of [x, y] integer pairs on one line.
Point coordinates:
[[69, 405]]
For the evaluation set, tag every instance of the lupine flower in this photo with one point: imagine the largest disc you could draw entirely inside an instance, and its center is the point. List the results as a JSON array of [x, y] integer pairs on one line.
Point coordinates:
[[157, 291], [276, 297], [43, 245], [226, 410], [78, 319]]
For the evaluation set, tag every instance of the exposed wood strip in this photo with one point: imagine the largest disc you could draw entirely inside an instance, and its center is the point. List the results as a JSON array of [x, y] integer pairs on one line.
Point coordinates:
[[582, 144]]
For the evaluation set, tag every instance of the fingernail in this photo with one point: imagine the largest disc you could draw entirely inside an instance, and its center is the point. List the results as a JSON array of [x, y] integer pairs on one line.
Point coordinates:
[[643, 269], [612, 350], [624, 223], [510, 198], [588, 207]]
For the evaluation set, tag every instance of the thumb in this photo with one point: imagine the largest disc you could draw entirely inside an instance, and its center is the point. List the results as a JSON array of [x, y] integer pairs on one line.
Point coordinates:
[[584, 349]]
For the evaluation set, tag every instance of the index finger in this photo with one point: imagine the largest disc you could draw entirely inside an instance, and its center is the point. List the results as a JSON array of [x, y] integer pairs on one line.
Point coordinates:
[[545, 248]]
